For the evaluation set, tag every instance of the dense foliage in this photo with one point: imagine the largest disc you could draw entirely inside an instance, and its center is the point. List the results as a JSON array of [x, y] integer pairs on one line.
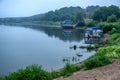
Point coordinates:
[[36, 72], [96, 61], [33, 72], [108, 26], [73, 13], [112, 18], [104, 12]]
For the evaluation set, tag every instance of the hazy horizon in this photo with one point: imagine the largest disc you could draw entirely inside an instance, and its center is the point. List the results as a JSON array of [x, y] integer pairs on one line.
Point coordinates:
[[24, 8]]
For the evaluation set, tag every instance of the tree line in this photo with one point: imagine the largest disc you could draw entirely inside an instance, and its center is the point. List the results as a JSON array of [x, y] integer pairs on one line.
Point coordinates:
[[58, 15], [76, 14]]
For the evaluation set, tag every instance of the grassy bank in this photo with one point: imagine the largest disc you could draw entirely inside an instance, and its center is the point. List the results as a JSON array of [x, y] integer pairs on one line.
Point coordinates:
[[35, 72]]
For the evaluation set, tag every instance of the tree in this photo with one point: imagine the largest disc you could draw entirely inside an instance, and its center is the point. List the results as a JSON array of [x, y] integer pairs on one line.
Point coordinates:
[[90, 11], [80, 19], [103, 13], [112, 18]]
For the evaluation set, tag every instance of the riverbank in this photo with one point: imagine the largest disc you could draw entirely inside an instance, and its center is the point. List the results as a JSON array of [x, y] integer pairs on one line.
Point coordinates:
[[108, 72], [111, 50], [104, 56]]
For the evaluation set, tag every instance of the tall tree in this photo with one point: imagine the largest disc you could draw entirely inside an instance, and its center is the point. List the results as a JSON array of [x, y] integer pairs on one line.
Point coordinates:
[[104, 12]]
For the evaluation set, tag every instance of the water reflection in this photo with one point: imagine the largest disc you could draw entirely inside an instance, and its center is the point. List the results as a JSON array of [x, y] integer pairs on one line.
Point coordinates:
[[72, 59], [91, 40], [67, 33], [64, 35]]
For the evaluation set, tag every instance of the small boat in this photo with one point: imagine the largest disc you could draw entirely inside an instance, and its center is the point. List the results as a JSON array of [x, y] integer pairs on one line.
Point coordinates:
[[93, 32], [67, 24]]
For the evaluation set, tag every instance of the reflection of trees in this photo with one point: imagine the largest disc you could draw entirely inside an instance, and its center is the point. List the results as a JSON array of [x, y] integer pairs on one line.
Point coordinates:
[[72, 35]]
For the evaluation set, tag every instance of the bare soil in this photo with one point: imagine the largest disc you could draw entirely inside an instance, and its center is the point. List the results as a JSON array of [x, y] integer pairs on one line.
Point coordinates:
[[108, 72]]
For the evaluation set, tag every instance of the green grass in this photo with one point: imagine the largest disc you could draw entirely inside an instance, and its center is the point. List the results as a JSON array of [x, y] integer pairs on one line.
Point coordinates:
[[115, 36], [69, 69], [36, 72], [110, 51], [33, 72], [95, 61]]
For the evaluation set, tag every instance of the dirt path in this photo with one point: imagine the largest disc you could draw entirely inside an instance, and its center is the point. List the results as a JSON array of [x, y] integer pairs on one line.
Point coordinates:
[[109, 72], [105, 37]]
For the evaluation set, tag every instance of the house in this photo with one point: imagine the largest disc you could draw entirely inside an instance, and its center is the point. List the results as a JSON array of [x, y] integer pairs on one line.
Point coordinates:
[[67, 24]]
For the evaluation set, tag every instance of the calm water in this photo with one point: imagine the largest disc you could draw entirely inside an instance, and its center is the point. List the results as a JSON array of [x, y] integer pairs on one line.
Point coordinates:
[[23, 46]]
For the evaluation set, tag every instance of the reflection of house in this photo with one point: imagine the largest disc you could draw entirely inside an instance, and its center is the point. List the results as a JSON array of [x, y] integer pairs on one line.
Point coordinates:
[[67, 32], [93, 31], [67, 24]]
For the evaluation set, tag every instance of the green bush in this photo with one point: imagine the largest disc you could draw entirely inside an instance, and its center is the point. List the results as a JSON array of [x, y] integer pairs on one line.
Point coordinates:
[[96, 61], [80, 24], [117, 41], [91, 23], [110, 51], [69, 69], [112, 18], [115, 36], [33, 72], [108, 27], [55, 74]]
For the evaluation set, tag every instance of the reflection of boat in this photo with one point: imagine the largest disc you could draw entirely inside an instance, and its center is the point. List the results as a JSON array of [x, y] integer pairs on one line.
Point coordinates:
[[67, 24], [91, 40], [67, 32]]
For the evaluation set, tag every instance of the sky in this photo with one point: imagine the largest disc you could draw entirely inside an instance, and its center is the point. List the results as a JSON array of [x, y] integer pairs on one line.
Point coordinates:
[[24, 8]]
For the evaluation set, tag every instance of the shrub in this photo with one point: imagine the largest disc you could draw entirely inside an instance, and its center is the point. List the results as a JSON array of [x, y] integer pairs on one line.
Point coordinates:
[[96, 61], [91, 23], [55, 74], [115, 36], [112, 18], [117, 41], [80, 24], [33, 72], [107, 28], [69, 69], [110, 51]]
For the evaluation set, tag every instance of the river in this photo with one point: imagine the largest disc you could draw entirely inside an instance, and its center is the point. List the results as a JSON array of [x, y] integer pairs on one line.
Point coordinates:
[[23, 46]]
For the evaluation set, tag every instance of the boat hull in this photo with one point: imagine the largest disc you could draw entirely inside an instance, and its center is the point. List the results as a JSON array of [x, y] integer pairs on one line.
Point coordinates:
[[67, 27]]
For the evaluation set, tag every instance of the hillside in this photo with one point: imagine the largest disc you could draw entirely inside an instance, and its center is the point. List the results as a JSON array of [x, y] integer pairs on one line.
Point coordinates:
[[57, 15]]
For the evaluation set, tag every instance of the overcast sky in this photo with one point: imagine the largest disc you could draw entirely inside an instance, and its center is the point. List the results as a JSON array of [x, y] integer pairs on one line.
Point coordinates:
[[19, 8]]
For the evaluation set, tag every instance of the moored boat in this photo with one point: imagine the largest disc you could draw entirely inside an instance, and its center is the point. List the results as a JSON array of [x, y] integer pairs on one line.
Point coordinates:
[[67, 24]]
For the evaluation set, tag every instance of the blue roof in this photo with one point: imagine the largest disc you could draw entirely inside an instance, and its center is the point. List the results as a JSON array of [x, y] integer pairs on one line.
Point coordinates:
[[67, 20], [95, 27]]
